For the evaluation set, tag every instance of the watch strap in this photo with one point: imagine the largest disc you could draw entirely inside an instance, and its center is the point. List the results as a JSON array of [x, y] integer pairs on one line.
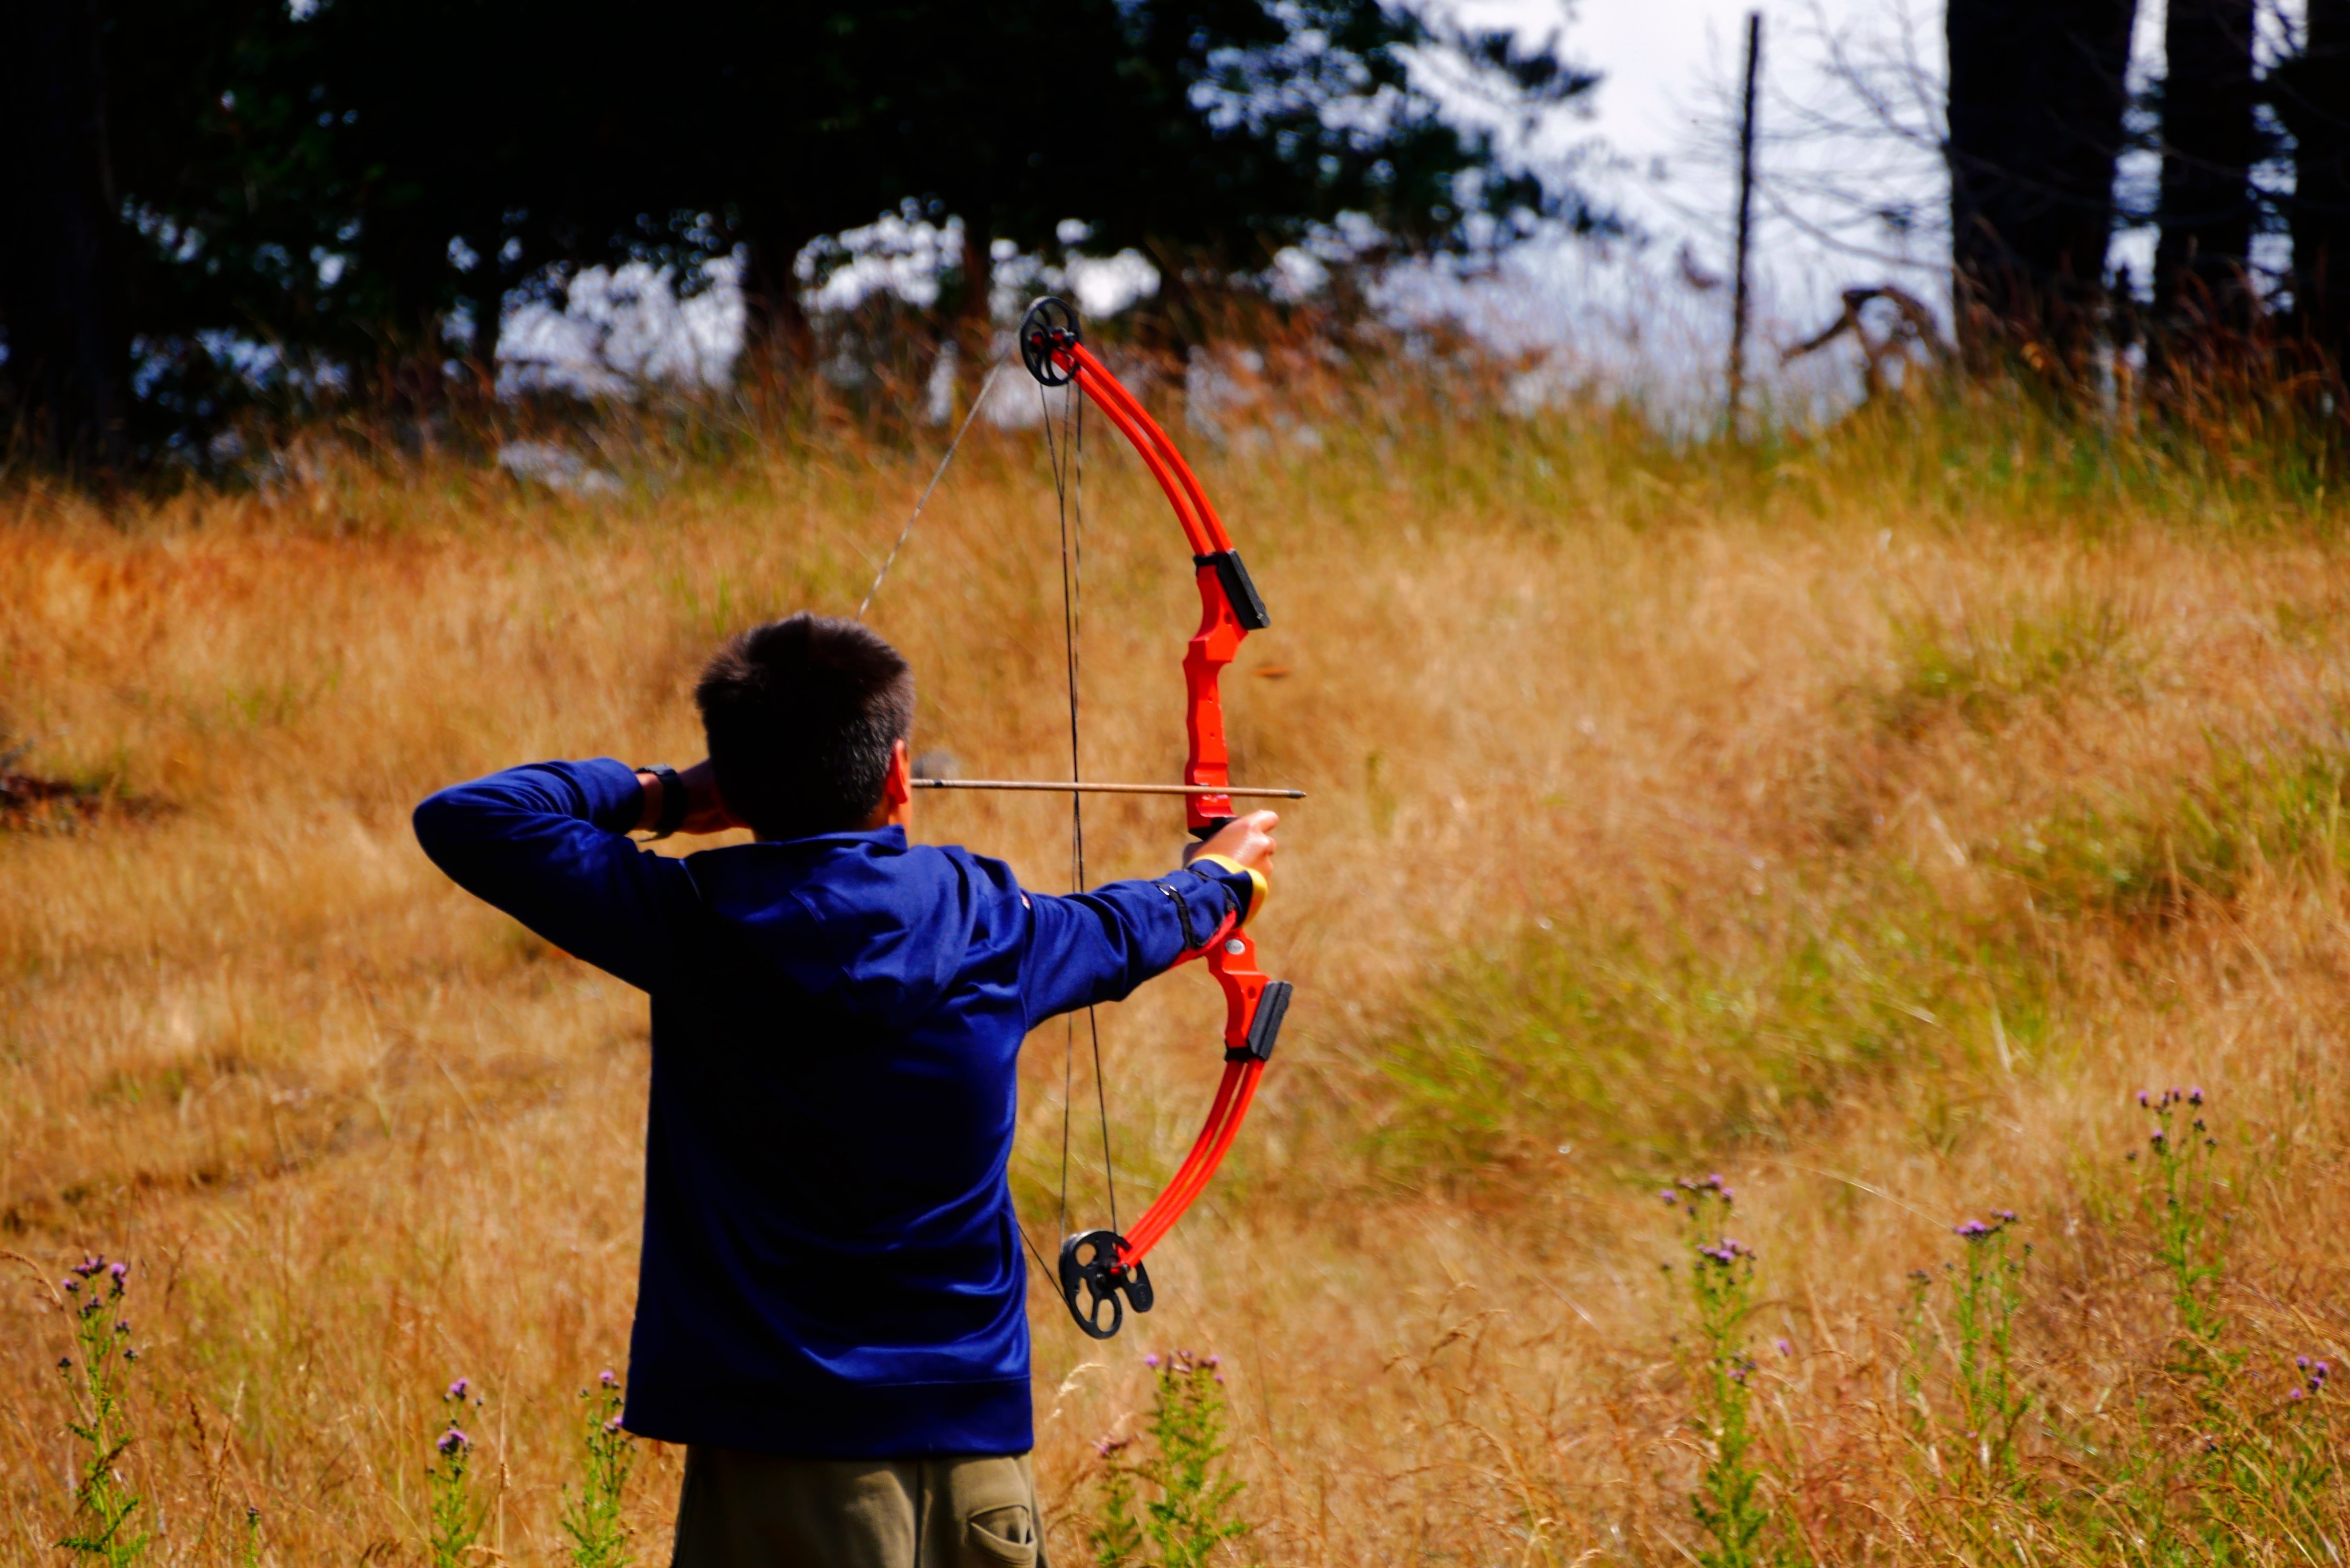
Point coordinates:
[[672, 800]]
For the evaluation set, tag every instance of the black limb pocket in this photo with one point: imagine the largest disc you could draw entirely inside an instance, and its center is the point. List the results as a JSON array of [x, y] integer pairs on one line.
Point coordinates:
[[1240, 589], [1264, 1029]]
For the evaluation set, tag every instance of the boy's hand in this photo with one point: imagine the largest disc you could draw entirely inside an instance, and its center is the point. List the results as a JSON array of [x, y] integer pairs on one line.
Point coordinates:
[[1245, 840], [704, 812]]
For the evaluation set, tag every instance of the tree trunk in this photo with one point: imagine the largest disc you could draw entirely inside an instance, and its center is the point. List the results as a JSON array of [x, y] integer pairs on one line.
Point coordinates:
[[2210, 143], [487, 302], [68, 360], [974, 326], [2036, 95], [2314, 99], [777, 340]]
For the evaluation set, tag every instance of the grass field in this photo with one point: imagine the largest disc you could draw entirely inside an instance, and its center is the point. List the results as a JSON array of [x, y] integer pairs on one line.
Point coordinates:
[[1865, 820]]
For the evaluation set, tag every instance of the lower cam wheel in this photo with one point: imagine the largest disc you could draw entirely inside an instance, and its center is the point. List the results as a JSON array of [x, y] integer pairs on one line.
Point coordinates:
[[1090, 1269]]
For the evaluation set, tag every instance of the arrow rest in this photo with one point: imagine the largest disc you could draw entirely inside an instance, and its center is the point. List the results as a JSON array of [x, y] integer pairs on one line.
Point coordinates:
[[1089, 1264]]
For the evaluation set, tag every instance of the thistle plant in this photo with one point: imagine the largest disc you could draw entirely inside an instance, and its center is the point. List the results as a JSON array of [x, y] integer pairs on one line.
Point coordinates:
[[2177, 1189], [1191, 1513], [103, 1501], [1116, 1533], [592, 1520], [1987, 1291], [1728, 1501], [457, 1518]]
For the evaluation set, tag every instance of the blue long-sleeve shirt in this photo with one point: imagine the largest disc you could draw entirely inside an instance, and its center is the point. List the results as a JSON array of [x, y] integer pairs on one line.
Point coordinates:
[[831, 1265]]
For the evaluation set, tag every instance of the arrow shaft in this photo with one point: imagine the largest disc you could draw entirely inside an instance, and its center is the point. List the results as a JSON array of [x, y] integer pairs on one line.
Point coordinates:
[[1087, 787]]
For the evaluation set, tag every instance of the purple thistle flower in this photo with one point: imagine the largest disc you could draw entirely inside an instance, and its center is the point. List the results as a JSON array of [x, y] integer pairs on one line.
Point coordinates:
[[2142, 1098], [453, 1442], [2195, 1096], [122, 1325], [458, 1390], [2004, 1216], [2292, 1394], [1786, 1348], [117, 1273], [607, 1379], [2154, 1137], [2302, 1362], [613, 1425], [1150, 1359], [1971, 1229], [1669, 1196]]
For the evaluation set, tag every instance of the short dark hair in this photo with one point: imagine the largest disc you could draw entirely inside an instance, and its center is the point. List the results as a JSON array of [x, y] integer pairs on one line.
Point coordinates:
[[802, 715]]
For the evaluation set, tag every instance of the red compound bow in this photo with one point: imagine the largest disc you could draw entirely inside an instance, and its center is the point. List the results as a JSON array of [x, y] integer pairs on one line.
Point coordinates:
[[1102, 1266], [1101, 1271]]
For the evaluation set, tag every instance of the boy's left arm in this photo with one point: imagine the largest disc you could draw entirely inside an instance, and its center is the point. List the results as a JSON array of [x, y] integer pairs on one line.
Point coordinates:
[[1097, 946]]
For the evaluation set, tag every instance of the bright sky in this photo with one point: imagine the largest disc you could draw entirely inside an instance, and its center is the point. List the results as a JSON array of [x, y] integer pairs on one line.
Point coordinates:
[[1656, 144]]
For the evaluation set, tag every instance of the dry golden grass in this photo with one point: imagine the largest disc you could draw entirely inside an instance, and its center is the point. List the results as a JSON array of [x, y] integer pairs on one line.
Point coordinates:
[[1818, 819]]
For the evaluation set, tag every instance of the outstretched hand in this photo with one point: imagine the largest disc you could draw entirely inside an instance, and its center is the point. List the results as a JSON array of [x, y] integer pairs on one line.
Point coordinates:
[[1245, 840]]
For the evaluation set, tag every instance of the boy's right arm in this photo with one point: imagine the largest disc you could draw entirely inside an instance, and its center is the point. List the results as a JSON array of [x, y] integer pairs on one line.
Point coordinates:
[[549, 844], [1098, 945]]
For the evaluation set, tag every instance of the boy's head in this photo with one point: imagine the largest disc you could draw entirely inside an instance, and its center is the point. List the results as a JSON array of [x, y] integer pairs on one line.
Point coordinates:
[[802, 715]]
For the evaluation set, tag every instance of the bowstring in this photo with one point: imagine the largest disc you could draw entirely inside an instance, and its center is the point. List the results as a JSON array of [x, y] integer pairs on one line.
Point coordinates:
[[891, 560], [987, 385], [1067, 456]]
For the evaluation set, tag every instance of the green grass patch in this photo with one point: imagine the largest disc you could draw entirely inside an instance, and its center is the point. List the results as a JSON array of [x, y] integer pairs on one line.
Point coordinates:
[[1647, 1053], [2183, 848], [1986, 680]]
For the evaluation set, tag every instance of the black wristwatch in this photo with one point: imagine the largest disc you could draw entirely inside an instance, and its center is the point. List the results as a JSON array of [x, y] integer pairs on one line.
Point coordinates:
[[673, 801]]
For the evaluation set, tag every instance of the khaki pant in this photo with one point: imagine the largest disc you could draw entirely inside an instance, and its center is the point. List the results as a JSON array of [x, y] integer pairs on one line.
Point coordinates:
[[741, 1510]]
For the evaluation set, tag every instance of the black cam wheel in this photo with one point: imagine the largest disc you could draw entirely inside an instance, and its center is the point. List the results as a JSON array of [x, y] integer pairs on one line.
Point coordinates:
[[1049, 327]]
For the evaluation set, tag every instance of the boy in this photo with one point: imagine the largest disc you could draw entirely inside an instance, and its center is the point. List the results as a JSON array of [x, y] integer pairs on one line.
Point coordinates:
[[830, 1305]]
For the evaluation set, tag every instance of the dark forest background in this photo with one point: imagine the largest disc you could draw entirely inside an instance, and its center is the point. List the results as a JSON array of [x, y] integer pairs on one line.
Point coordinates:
[[210, 203]]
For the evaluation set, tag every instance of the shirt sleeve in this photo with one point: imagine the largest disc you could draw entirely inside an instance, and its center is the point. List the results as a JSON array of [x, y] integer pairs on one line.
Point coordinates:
[[549, 844], [1097, 946]]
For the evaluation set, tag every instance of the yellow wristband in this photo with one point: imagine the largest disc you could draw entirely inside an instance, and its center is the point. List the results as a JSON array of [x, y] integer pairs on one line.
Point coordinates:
[[1261, 890]]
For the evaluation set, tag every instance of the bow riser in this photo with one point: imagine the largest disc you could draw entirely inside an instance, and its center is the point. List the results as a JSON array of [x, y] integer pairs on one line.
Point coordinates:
[[1212, 648]]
